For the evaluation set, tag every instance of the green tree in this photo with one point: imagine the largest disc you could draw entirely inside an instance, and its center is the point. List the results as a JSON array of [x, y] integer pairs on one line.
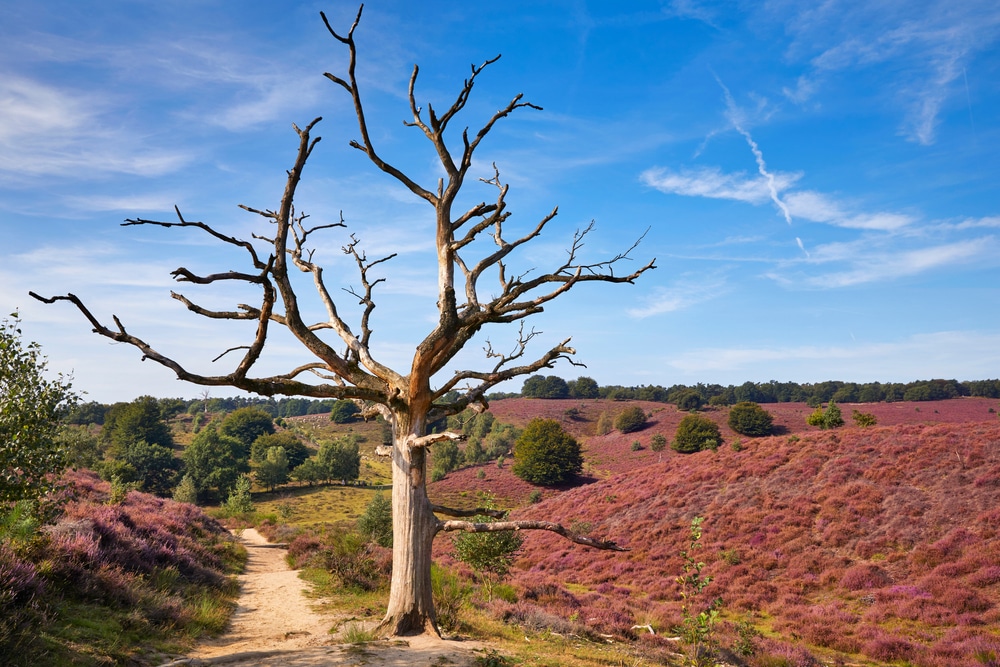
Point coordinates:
[[155, 467], [79, 446], [748, 418], [138, 421], [584, 387], [376, 523], [308, 472], [631, 419], [490, 554], [30, 408], [272, 472], [186, 491], [447, 457], [658, 442], [339, 459], [246, 425], [344, 412], [826, 419], [239, 500], [696, 433], [687, 400], [214, 461], [546, 454], [295, 449]]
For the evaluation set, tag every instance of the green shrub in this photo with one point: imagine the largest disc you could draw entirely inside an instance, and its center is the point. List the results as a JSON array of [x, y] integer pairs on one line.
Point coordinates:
[[376, 523], [546, 454], [864, 419], [826, 419], [688, 400], [748, 418], [344, 412], [636, 446], [696, 433], [631, 419], [658, 442]]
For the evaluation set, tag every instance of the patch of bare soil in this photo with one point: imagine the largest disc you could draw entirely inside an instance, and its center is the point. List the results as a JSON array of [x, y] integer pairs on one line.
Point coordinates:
[[275, 625]]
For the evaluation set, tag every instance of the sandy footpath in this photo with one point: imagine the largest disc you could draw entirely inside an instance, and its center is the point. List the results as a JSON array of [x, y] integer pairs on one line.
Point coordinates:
[[275, 625]]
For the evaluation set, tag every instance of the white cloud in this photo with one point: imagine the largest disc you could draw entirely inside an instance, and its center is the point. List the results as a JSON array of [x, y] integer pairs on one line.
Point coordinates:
[[46, 130], [819, 207], [712, 183], [869, 261]]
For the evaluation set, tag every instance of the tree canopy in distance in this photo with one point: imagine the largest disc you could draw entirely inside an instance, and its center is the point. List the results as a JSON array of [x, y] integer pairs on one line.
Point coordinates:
[[475, 288]]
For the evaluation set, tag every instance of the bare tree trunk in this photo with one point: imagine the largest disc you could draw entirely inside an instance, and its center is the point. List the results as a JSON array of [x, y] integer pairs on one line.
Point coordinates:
[[411, 604]]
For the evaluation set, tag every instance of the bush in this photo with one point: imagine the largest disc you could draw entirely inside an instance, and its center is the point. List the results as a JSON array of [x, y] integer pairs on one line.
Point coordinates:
[[344, 412], [658, 442], [748, 418], [688, 400], [631, 419], [864, 419], [826, 419], [376, 523], [546, 454], [696, 433]]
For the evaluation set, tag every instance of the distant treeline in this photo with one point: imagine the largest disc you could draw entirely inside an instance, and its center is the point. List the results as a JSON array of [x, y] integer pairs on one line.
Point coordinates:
[[93, 412], [552, 386]]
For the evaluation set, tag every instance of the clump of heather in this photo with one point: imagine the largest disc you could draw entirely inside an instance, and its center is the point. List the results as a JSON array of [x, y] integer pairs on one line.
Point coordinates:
[[145, 563]]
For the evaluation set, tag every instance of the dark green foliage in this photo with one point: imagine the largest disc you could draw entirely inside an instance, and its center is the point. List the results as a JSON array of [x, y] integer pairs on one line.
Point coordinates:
[[584, 387], [155, 468], [339, 459], [272, 471], [696, 433], [546, 454], [344, 412], [446, 456], [295, 449], [214, 462], [538, 386], [748, 418], [90, 412], [79, 446], [658, 442], [246, 425], [631, 419], [687, 400], [128, 423], [376, 523], [30, 408]]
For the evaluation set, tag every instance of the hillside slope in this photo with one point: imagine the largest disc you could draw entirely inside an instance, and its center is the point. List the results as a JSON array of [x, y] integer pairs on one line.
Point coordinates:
[[879, 543]]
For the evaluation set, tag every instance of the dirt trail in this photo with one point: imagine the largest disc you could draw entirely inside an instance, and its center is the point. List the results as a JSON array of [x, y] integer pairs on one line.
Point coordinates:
[[275, 625]]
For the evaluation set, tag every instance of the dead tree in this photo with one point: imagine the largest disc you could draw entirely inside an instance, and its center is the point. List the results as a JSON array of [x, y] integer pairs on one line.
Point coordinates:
[[343, 365]]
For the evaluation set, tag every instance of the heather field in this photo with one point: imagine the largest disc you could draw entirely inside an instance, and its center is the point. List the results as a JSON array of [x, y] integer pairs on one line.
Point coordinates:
[[852, 546], [129, 580]]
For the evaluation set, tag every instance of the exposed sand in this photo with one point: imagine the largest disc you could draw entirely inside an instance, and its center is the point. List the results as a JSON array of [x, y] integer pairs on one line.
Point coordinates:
[[276, 625]]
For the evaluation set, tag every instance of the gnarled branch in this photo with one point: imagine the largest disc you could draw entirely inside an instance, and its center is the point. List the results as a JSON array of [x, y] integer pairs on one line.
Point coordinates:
[[558, 529]]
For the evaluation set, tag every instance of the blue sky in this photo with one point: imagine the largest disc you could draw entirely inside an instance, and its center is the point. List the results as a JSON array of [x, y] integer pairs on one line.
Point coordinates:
[[819, 180]]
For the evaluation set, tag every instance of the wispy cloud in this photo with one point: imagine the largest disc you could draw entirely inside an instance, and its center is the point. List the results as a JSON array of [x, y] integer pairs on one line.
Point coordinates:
[[46, 130], [711, 182], [868, 260], [680, 295], [923, 50]]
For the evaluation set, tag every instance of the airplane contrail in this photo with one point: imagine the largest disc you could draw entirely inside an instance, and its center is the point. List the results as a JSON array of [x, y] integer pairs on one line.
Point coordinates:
[[734, 115]]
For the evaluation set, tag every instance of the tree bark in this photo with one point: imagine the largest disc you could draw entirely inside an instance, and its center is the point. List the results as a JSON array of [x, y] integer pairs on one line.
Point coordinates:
[[411, 603]]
